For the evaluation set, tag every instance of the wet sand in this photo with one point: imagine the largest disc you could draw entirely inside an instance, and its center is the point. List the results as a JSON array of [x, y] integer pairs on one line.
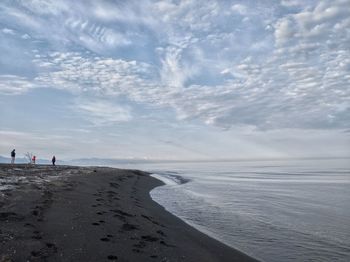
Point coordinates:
[[94, 214]]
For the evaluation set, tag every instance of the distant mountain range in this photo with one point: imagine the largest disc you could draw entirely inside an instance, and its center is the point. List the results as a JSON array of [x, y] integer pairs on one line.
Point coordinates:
[[108, 161], [114, 162], [81, 161], [22, 160]]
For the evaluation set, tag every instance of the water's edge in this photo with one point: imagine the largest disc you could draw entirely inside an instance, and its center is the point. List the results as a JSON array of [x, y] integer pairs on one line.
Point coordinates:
[[177, 179]]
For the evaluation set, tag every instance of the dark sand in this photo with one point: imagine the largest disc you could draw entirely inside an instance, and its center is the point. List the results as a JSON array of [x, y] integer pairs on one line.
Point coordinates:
[[94, 214]]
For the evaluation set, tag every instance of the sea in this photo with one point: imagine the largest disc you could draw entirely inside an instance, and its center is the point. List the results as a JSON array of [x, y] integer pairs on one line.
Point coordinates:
[[275, 210]]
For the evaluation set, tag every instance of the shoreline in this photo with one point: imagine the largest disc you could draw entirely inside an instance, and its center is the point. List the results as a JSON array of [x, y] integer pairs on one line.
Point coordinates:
[[95, 214]]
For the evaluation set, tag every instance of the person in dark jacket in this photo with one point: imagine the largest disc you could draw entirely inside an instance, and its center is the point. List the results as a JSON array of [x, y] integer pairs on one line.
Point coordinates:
[[13, 156], [53, 160]]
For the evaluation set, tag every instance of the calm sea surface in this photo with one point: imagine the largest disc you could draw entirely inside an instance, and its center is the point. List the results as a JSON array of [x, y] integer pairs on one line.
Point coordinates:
[[295, 210]]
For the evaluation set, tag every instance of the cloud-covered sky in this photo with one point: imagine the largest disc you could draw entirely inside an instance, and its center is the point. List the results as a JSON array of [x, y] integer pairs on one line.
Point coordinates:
[[175, 79]]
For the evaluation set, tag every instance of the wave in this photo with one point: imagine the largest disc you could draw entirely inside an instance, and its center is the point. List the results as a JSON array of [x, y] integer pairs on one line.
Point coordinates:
[[170, 178]]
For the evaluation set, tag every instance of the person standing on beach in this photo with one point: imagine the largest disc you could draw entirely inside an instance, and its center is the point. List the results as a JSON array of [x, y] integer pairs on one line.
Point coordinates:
[[13, 156], [33, 159], [53, 160]]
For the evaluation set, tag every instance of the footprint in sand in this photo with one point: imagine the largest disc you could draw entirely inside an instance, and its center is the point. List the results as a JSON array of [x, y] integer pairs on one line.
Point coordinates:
[[36, 235], [105, 239], [166, 244], [35, 253], [115, 185], [141, 244], [149, 238], [10, 216], [129, 227], [112, 257], [160, 232], [120, 212], [44, 252], [153, 221], [52, 247]]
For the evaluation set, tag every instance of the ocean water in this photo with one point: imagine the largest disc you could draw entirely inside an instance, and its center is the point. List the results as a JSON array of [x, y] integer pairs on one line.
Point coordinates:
[[295, 210]]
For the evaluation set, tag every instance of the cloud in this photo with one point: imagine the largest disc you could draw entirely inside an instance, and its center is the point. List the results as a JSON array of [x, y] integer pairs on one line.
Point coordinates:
[[101, 112], [290, 3], [12, 85], [47, 7], [284, 31], [8, 31], [174, 71], [274, 66], [77, 72], [73, 23], [325, 21], [239, 8]]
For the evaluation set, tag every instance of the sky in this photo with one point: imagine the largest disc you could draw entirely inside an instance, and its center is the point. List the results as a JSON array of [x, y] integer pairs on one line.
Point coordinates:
[[175, 79]]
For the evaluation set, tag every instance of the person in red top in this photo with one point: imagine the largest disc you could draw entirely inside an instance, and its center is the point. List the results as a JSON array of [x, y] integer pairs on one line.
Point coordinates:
[[33, 159]]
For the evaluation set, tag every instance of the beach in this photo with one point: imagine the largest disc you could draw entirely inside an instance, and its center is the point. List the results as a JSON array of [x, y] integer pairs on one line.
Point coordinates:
[[67, 213]]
